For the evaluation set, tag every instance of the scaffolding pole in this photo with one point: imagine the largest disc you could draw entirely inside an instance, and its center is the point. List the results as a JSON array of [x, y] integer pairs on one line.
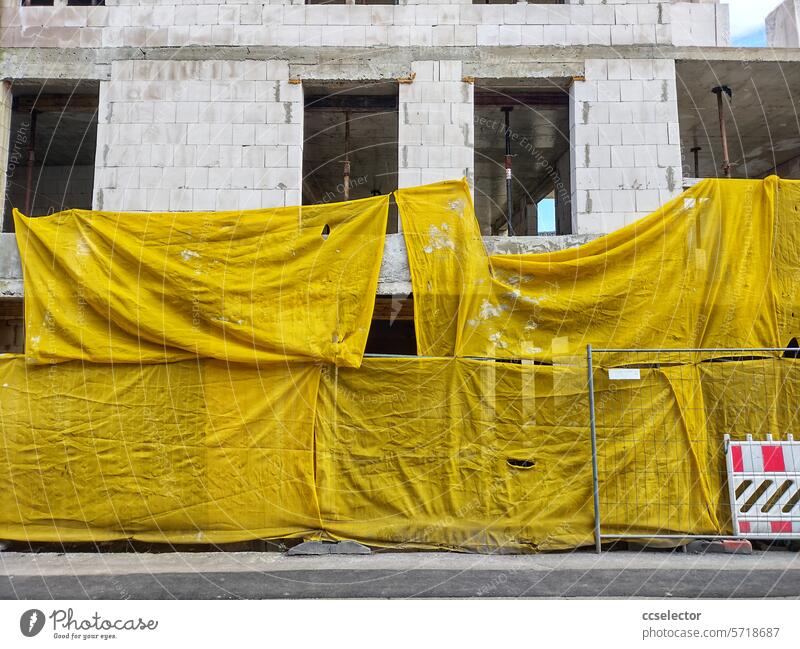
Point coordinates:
[[723, 131], [509, 197]]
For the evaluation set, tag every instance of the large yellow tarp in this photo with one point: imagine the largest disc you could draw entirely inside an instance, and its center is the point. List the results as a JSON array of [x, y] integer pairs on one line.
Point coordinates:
[[428, 453], [263, 285], [298, 440], [715, 267], [187, 452]]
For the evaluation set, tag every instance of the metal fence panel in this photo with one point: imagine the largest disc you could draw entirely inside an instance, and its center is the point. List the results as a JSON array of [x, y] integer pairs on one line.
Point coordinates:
[[661, 423]]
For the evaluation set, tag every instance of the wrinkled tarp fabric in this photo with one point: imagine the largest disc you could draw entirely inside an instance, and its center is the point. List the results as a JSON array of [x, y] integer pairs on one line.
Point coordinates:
[[253, 286], [425, 452], [430, 453], [715, 267], [195, 451]]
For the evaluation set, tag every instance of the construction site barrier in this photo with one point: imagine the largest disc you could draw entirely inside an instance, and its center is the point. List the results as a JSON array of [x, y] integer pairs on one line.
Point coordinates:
[[687, 418]]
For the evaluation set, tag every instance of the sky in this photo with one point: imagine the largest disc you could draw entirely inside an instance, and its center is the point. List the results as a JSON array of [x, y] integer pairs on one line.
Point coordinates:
[[747, 21]]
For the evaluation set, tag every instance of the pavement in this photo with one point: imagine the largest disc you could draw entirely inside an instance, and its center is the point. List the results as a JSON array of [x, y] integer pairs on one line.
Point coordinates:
[[274, 575]]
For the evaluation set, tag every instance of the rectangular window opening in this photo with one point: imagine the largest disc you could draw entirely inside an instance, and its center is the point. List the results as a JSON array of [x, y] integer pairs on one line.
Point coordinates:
[[530, 120], [351, 2], [392, 330], [350, 142], [763, 135], [52, 143]]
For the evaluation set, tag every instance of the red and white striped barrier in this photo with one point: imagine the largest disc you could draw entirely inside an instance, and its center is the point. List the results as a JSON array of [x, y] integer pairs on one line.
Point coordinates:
[[764, 487]]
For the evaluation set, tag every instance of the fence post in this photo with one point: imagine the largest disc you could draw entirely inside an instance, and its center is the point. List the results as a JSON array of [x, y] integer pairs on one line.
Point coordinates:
[[595, 478]]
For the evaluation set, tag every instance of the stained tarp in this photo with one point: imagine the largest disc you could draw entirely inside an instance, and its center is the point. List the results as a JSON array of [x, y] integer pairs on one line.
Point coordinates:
[[187, 452], [428, 453], [448, 452], [263, 285], [715, 267]]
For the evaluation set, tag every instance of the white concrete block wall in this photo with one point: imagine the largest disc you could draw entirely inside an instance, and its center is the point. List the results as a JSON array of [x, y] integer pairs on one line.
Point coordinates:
[[199, 135], [783, 25], [626, 157], [150, 24], [705, 24], [436, 127]]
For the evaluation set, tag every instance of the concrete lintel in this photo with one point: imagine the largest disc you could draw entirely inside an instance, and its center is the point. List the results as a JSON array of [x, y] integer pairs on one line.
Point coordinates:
[[370, 62], [51, 64]]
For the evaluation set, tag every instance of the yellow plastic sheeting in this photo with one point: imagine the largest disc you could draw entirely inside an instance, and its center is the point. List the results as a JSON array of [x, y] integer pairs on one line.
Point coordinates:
[[450, 453], [479, 455], [445, 249], [702, 271], [657, 462], [186, 452], [754, 397], [253, 286]]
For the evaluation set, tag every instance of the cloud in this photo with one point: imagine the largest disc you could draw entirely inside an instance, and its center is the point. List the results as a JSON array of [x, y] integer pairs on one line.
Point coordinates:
[[747, 16]]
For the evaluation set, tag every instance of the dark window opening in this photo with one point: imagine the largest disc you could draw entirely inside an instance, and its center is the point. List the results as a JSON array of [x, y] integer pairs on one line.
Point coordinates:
[[511, 2], [12, 327], [347, 2], [350, 142], [392, 330], [762, 130], [51, 150], [70, 3], [522, 157]]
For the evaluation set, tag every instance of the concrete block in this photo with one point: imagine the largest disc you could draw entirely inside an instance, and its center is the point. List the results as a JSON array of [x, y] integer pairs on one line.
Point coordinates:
[[317, 548], [619, 69], [728, 546]]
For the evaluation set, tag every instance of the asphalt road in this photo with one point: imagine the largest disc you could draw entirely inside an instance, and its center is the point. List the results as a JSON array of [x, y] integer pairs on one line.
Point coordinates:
[[264, 576]]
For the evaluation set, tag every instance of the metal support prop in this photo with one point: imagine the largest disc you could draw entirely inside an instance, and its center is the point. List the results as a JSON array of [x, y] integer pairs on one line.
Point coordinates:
[[509, 202], [347, 155], [31, 163], [595, 472], [696, 150], [723, 131]]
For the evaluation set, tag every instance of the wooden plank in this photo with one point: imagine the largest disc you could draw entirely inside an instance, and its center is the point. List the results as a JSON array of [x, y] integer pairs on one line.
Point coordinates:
[[393, 308]]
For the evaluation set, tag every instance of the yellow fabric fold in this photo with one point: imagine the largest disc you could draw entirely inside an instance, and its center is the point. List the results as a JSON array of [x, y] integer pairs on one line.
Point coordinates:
[[196, 451], [263, 285], [712, 268]]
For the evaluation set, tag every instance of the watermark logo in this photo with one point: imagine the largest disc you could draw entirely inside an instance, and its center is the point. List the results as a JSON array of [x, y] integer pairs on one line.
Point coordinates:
[[31, 622]]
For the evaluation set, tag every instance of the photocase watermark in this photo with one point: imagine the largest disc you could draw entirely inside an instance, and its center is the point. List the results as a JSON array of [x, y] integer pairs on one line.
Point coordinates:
[[31, 622], [67, 626], [19, 147]]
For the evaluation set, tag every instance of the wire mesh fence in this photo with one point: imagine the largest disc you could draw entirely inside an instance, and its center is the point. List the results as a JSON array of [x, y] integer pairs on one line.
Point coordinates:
[[668, 426]]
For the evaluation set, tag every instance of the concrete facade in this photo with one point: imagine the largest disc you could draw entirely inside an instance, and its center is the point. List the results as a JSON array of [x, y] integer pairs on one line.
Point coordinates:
[[783, 25], [201, 103]]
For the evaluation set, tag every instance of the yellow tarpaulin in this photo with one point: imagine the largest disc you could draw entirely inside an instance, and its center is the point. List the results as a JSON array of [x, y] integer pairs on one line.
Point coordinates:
[[457, 452], [263, 285], [715, 267], [427, 453], [188, 452]]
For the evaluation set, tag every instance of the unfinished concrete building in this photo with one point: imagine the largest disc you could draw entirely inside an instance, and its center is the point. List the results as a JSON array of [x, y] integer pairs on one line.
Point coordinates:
[[569, 118]]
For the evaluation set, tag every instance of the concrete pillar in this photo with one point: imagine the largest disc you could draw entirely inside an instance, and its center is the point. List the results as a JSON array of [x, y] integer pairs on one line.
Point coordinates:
[[626, 157], [783, 27], [199, 135], [436, 125]]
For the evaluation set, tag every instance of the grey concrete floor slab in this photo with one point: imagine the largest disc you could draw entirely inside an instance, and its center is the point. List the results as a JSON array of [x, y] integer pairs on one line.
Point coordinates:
[[271, 575]]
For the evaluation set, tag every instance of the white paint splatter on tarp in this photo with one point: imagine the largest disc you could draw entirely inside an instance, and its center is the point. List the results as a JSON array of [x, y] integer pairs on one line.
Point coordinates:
[[489, 310], [457, 206], [438, 239]]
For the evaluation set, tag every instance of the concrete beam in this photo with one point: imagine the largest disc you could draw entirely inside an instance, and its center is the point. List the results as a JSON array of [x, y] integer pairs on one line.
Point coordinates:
[[370, 63]]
